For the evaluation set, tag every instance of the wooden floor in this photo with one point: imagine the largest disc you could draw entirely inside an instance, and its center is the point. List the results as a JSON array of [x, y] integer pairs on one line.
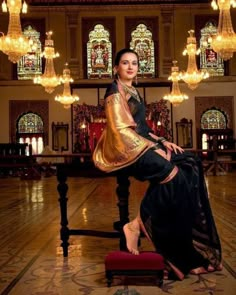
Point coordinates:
[[31, 260]]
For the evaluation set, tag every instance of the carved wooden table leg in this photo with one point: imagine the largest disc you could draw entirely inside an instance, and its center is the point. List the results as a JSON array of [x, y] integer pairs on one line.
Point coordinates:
[[62, 189]]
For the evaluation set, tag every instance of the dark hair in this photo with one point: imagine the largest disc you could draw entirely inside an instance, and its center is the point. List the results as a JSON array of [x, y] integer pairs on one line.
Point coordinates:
[[122, 52]]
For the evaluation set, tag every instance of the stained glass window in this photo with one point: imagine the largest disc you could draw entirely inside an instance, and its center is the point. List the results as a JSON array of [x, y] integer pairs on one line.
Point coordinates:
[[209, 59], [213, 119], [142, 43], [99, 53], [30, 130], [30, 123], [31, 63]]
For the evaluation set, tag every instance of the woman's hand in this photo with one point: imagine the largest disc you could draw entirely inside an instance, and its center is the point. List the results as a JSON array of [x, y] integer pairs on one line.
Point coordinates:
[[169, 145], [173, 147]]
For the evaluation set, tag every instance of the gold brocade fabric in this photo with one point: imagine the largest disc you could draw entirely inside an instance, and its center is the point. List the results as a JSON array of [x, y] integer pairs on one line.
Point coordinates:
[[119, 144]]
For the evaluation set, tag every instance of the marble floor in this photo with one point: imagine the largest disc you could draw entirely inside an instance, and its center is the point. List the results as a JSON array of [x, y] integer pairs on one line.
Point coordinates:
[[32, 262]]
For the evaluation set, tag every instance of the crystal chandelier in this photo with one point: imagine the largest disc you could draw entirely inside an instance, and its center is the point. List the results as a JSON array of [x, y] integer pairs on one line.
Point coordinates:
[[192, 76], [66, 98], [14, 44], [175, 97], [224, 43], [49, 80]]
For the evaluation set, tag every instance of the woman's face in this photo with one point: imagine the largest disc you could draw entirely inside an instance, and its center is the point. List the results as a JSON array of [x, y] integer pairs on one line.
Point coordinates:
[[128, 67]]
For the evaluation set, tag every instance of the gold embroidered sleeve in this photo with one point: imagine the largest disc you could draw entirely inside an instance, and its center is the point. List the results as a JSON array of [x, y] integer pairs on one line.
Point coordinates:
[[119, 145]]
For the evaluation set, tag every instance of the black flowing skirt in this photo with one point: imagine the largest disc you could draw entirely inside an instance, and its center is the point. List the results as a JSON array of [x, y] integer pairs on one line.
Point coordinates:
[[177, 215]]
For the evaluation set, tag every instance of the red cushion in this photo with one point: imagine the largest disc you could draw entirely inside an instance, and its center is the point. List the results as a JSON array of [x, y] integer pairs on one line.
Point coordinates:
[[146, 260]]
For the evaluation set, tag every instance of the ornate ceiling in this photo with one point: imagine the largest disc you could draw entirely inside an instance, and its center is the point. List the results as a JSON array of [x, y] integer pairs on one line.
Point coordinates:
[[111, 2]]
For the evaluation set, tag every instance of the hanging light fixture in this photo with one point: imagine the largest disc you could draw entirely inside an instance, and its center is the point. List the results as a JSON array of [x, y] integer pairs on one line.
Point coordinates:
[[224, 43], [14, 44], [49, 80], [175, 97], [192, 77], [66, 98]]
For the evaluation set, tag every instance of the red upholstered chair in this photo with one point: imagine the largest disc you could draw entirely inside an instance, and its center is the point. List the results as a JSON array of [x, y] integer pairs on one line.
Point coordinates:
[[121, 263]]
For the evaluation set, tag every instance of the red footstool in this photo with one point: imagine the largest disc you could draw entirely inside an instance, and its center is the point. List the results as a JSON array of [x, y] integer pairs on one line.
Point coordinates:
[[123, 263]]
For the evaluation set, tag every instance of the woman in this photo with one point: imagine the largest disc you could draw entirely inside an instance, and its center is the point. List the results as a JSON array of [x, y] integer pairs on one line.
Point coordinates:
[[175, 213]]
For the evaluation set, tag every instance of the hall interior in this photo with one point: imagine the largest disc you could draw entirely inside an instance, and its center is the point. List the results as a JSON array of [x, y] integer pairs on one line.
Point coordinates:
[[32, 259]]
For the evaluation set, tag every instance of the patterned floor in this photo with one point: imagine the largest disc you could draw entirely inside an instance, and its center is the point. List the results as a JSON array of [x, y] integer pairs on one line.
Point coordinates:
[[31, 260]]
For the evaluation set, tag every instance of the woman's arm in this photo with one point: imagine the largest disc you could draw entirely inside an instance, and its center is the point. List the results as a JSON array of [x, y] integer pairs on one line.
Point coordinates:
[[169, 145]]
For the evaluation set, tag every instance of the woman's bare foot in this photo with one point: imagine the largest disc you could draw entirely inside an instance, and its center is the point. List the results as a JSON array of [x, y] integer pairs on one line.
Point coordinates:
[[219, 267], [211, 268], [198, 271], [132, 232]]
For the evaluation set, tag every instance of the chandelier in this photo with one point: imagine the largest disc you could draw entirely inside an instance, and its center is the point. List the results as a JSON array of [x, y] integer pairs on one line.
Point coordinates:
[[175, 97], [192, 76], [224, 43], [66, 98], [49, 80], [14, 44]]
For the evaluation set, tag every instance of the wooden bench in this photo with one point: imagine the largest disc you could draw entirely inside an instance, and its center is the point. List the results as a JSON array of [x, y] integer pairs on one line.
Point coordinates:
[[14, 161]]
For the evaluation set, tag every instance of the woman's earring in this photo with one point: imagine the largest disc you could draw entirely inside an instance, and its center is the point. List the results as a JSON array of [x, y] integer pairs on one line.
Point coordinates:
[[136, 80], [115, 72]]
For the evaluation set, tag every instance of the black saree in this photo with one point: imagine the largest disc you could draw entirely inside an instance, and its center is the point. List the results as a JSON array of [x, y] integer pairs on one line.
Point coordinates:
[[178, 218]]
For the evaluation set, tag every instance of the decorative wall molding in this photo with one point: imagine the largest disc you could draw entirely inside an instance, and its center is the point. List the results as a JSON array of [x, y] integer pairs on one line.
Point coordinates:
[[109, 2], [72, 44], [167, 53]]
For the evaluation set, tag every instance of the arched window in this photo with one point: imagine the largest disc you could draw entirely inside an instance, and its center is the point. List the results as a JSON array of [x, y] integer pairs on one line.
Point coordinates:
[[214, 127], [30, 129], [31, 63], [99, 53], [209, 59], [142, 43], [213, 119]]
